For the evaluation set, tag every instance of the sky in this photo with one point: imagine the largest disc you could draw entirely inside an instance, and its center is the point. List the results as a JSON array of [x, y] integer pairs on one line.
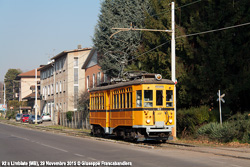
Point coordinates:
[[32, 31]]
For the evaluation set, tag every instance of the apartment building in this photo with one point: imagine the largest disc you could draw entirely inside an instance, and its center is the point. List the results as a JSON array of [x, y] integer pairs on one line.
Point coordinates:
[[93, 74], [27, 82], [62, 81]]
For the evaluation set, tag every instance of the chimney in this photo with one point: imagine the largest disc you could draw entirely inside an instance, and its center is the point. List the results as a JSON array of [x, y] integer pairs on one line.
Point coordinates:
[[79, 46]]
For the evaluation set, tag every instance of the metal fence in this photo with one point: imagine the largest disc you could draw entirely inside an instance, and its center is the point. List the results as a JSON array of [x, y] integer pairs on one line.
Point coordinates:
[[77, 121]]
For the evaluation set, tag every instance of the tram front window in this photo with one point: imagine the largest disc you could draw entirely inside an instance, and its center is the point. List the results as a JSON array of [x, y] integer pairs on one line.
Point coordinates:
[[148, 98], [159, 97], [169, 99]]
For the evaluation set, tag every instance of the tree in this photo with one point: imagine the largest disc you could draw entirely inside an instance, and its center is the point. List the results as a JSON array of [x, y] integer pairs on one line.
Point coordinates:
[[10, 83], [218, 60], [83, 104], [116, 52], [155, 50]]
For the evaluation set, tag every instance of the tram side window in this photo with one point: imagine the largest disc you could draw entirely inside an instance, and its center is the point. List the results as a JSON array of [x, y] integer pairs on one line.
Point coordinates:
[[127, 105], [169, 98], [124, 100], [159, 98], [138, 98], [92, 102], [114, 101], [117, 101], [121, 99], [97, 103], [148, 98], [131, 100]]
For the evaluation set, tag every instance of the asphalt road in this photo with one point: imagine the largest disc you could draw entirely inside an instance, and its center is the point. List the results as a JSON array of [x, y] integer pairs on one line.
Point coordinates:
[[24, 145]]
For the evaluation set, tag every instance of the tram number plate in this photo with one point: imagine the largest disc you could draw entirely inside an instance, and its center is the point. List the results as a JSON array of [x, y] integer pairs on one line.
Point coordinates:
[[158, 108]]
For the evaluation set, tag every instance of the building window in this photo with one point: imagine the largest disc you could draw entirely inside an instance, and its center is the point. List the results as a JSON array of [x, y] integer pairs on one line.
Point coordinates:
[[57, 87], [64, 86], [43, 91], [60, 65], [93, 80], [64, 63], [60, 86], [57, 64], [75, 75], [76, 62], [87, 82], [49, 90], [105, 78], [75, 97], [51, 71], [52, 89], [98, 78]]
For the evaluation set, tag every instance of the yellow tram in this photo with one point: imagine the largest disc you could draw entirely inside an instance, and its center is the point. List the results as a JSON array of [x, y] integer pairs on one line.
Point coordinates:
[[140, 109]]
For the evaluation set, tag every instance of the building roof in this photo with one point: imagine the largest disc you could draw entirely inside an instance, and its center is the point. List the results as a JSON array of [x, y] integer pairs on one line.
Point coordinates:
[[30, 74], [32, 96], [45, 66], [69, 51], [84, 66]]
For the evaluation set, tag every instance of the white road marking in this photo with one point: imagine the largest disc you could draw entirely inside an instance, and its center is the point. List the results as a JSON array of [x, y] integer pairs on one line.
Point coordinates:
[[21, 137], [79, 155], [92, 158], [40, 143], [54, 147], [235, 165]]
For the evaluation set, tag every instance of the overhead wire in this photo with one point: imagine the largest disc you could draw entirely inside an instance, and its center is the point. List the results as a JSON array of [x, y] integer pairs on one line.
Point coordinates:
[[189, 35]]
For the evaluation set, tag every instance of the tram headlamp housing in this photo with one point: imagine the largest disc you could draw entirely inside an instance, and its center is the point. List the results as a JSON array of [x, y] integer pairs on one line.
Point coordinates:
[[170, 121], [158, 77], [148, 121]]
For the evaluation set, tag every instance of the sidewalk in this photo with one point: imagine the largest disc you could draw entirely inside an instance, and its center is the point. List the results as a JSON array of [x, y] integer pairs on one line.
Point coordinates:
[[234, 152]]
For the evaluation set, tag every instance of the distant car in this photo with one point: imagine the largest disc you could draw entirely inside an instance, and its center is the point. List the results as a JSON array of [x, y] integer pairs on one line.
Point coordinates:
[[25, 118], [46, 117], [32, 119], [18, 117]]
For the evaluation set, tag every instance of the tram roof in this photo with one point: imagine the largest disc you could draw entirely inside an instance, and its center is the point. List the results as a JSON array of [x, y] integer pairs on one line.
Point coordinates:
[[134, 82]]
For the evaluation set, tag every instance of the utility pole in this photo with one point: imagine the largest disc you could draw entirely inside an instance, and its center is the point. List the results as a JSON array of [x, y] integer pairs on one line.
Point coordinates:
[[172, 53], [173, 64], [36, 98]]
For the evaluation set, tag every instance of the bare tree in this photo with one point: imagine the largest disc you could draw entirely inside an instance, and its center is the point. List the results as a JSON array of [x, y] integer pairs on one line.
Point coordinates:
[[83, 104]]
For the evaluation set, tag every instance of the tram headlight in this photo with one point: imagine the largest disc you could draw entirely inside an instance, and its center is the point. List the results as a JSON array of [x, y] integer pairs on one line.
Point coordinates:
[[148, 121], [170, 121]]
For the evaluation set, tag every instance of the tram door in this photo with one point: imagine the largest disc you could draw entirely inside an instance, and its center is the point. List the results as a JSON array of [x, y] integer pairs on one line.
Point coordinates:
[[159, 113]]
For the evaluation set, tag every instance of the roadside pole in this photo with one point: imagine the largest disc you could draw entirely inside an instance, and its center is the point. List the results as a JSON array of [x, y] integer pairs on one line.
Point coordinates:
[[36, 99], [173, 65], [220, 99]]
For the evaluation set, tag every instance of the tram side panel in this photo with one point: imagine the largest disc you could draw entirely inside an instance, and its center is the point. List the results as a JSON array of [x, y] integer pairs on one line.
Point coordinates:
[[98, 109], [120, 113]]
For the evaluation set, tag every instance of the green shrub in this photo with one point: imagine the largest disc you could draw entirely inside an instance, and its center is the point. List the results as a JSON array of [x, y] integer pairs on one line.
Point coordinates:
[[236, 128], [10, 114], [69, 115], [188, 120]]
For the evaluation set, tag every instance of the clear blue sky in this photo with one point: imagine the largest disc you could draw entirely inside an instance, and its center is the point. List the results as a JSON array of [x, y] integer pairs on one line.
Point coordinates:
[[31, 31]]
